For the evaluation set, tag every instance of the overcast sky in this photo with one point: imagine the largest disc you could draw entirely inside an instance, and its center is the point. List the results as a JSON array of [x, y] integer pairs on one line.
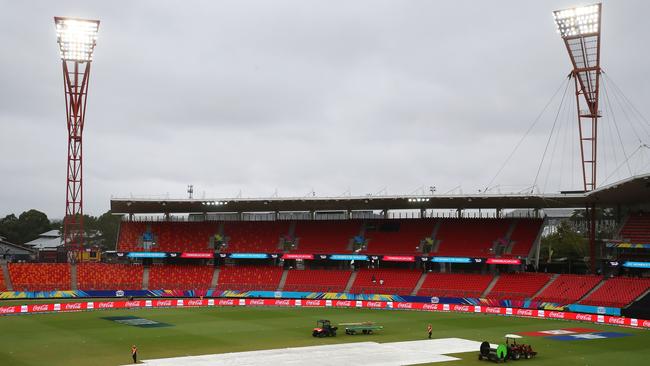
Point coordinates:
[[334, 96]]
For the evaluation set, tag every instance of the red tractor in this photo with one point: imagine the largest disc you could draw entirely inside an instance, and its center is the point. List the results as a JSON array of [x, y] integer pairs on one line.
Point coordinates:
[[324, 328]]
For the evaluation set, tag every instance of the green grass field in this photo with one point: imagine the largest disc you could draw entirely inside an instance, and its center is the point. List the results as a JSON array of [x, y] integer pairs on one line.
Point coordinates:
[[87, 339]]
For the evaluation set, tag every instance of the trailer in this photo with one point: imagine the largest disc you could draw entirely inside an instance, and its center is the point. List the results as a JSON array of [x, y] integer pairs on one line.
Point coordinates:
[[363, 327]]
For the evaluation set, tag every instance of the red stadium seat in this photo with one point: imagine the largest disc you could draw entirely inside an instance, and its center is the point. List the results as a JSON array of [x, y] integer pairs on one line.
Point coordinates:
[[397, 237], [470, 237], [518, 286], [396, 281], [454, 285], [317, 280], [326, 236], [180, 277], [618, 292], [247, 278], [524, 235], [40, 276], [255, 236], [637, 228], [567, 288], [102, 276]]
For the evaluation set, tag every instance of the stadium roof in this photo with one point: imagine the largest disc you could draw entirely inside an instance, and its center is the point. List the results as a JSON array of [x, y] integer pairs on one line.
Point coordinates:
[[630, 191]]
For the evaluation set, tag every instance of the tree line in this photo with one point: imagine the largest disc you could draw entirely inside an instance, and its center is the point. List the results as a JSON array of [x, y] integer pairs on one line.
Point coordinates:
[[30, 224]]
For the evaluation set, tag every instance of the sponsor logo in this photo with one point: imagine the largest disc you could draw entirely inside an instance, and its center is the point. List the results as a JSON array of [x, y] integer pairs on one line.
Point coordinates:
[[601, 310], [90, 305], [23, 308], [404, 305], [226, 302], [72, 306], [313, 303], [615, 320], [373, 304], [147, 303], [343, 303], [163, 303], [194, 302], [135, 304], [429, 306], [119, 293], [585, 317], [503, 261], [7, 310], [359, 304], [646, 323], [589, 336], [282, 302], [508, 311], [210, 302], [445, 307], [492, 310], [242, 302], [180, 302], [435, 300], [57, 307], [461, 308], [524, 312], [297, 302], [256, 302], [600, 319], [634, 322], [540, 313], [328, 302], [477, 309], [556, 314], [105, 305], [43, 307]]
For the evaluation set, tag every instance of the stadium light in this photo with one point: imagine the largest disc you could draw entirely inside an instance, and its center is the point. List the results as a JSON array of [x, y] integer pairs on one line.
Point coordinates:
[[77, 39], [578, 21]]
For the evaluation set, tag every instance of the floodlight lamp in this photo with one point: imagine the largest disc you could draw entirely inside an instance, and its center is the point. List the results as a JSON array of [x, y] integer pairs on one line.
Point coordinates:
[[578, 21], [76, 38]]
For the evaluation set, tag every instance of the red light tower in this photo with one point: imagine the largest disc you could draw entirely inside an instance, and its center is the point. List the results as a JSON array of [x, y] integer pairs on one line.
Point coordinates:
[[580, 30], [77, 39]]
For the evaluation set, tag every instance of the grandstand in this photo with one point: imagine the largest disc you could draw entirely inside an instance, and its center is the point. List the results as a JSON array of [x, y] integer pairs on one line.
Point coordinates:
[[454, 285], [637, 228]]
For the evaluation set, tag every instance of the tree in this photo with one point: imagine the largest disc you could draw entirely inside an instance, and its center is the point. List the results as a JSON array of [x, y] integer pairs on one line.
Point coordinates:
[[565, 242]]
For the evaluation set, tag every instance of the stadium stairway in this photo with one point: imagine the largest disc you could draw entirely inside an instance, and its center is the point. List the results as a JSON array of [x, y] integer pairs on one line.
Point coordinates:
[[555, 276], [215, 279], [7, 278], [353, 277], [490, 286], [73, 276], [511, 229], [283, 279], [418, 285], [434, 234], [145, 278], [599, 285]]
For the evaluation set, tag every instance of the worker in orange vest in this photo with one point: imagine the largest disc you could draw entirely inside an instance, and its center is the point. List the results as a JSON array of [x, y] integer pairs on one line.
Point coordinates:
[[429, 330]]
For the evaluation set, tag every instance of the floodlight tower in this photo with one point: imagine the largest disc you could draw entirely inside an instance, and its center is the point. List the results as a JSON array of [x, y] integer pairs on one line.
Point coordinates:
[[76, 39], [580, 30]]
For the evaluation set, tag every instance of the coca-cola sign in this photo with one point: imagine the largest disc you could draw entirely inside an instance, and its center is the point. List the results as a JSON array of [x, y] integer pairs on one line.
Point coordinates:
[[194, 302], [7, 309], [105, 305], [405, 305], [464, 308], [524, 312], [555, 314], [226, 302], [493, 310], [343, 303], [646, 323], [374, 304], [72, 306], [282, 302], [136, 304], [163, 303], [43, 307], [585, 317], [256, 302], [616, 320], [426, 306], [313, 303]]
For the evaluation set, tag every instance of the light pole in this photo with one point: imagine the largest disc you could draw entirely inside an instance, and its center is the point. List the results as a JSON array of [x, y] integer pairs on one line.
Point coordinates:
[[76, 39]]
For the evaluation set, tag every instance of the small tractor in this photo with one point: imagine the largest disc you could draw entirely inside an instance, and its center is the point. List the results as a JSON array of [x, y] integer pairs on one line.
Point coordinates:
[[511, 350], [324, 328]]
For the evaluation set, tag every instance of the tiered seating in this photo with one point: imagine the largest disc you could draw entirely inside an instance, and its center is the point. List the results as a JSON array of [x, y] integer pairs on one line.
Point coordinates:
[[567, 289], [317, 280], [180, 277], [524, 235], [255, 236], [170, 236], [3, 286], [130, 236], [470, 237], [637, 228], [102, 276], [454, 285], [400, 237], [518, 286], [396, 281], [618, 292], [40, 276], [326, 236], [247, 278]]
